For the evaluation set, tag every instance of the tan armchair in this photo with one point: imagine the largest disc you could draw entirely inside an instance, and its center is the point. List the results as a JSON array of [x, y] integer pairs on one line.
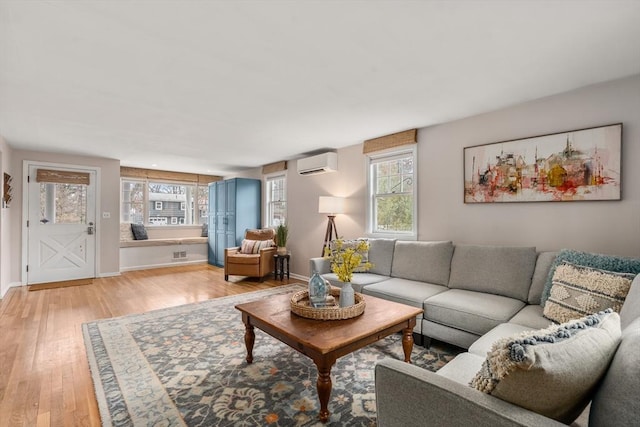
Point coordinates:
[[251, 264]]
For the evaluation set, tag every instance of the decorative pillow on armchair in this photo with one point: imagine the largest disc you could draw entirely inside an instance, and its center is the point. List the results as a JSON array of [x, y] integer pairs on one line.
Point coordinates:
[[254, 246], [552, 371], [579, 291]]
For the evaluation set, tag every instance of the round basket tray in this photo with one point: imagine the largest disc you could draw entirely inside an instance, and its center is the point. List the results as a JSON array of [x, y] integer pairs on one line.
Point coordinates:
[[301, 306]]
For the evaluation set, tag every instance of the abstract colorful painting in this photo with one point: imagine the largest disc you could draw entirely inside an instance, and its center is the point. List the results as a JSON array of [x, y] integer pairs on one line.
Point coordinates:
[[576, 165]]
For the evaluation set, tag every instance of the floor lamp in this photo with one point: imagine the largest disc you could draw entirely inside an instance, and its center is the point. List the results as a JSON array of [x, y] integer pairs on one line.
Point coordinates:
[[331, 206]]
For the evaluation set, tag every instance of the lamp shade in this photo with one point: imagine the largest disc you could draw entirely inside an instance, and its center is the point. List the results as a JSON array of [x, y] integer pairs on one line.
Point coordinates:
[[331, 205]]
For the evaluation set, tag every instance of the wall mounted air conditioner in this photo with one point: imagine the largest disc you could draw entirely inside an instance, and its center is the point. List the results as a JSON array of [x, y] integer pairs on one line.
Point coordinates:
[[322, 163]]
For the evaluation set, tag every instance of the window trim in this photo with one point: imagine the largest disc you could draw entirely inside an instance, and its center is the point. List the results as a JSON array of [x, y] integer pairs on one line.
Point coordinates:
[[145, 202], [387, 155], [267, 203]]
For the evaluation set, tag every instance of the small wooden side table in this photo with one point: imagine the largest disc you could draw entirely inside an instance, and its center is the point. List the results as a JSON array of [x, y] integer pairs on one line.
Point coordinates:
[[280, 265]]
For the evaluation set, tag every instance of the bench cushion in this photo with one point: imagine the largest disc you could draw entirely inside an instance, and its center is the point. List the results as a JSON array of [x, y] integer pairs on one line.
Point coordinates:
[[162, 242]]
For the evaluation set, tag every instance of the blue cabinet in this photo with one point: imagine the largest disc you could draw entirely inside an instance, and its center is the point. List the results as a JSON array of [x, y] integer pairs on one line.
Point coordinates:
[[234, 205]]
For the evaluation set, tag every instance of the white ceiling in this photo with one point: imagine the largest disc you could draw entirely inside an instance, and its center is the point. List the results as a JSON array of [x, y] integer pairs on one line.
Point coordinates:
[[219, 86]]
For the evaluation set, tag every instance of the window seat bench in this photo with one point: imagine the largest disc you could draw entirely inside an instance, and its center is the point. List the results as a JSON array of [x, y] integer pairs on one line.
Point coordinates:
[[167, 246]]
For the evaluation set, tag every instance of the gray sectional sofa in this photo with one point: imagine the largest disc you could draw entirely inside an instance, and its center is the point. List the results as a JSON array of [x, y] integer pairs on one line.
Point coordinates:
[[472, 296], [464, 290]]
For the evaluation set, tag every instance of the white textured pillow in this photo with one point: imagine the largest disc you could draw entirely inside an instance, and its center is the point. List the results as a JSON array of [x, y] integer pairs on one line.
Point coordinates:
[[126, 234], [552, 371]]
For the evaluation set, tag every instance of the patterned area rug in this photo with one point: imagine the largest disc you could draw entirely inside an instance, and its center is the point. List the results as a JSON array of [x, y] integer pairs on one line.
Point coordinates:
[[186, 366]]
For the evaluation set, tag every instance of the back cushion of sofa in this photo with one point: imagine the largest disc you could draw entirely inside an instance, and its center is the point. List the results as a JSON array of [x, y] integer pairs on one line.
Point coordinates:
[[381, 255], [499, 270], [543, 264], [423, 261]]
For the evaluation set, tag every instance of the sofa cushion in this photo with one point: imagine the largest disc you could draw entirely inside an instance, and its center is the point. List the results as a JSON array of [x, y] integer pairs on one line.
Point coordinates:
[[260, 234], [615, 402], [604, 262], [404, 291], [474, 312], [461, 369], [483, 345], [531, 317], [139, 232], [358, 281], [578, 291], [381, 255], [552, 371], [249, 246], [500, 270], [422, 261], [543, 265]]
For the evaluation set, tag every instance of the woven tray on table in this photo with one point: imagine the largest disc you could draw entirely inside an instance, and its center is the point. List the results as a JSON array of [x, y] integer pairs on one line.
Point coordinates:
[[301, 306]]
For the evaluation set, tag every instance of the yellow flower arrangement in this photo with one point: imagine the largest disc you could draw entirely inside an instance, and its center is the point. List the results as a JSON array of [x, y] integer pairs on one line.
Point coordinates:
[[345, 258]]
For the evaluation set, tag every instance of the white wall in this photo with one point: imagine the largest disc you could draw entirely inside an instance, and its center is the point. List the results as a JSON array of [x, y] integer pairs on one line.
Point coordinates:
[[6, 250], [605, 227], [107, 229]]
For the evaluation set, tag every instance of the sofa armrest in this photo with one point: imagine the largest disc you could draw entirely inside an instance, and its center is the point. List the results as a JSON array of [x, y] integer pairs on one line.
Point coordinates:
[[410, 396], [321, 265], [230, 251]]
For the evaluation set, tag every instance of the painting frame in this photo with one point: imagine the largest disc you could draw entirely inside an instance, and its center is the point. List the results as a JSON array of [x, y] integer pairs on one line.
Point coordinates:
[[575, 165]]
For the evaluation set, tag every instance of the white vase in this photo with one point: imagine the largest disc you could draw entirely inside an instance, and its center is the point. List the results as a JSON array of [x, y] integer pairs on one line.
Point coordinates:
[[347, 296]]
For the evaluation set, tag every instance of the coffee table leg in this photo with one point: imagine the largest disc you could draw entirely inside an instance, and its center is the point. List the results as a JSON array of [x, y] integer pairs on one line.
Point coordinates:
[[249, 339], [324, 388], [407, 343]]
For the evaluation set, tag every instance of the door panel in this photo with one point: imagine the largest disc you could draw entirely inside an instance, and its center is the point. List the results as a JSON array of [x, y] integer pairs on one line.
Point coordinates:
[[61, 229]]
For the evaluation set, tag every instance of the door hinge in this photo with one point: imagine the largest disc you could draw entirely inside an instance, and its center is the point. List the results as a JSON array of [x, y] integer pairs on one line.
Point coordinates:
[[28, 179], [27, 268], [27, 223]]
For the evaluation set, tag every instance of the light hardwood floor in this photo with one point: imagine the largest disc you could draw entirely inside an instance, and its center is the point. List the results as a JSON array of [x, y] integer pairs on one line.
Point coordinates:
[[44, 373]]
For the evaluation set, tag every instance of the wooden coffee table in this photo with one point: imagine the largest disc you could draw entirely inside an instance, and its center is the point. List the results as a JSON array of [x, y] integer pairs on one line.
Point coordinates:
[[324, 341]]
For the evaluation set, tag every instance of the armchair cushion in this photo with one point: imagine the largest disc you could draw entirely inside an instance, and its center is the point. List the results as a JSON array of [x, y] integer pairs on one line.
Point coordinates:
[[255, 246]]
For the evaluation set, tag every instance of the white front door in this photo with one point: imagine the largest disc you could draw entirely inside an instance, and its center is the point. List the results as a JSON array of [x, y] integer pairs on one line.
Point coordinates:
[[61, 227]]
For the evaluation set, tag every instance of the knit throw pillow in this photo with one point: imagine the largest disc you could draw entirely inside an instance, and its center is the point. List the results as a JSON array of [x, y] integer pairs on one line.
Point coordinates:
[[578, 291], [617, 264], [552, 371], [254, 246], [351, 244]]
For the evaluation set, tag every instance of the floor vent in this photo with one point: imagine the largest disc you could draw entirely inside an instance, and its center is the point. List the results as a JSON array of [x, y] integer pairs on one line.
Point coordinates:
[[181, 255]]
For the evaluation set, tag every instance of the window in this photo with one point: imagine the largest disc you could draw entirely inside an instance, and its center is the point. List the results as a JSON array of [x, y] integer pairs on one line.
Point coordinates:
[[392, 194], [163, 203], [276, 200]]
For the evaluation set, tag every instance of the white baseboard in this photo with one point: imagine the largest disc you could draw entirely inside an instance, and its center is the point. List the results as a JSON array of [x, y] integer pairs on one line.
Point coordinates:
[[109, 274]]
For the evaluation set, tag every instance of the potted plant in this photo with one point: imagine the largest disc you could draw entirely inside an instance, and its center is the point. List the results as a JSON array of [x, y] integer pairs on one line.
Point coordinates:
[[282, 233]]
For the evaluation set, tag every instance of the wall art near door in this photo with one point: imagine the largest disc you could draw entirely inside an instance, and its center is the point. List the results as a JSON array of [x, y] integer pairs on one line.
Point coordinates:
[[576, 165]]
